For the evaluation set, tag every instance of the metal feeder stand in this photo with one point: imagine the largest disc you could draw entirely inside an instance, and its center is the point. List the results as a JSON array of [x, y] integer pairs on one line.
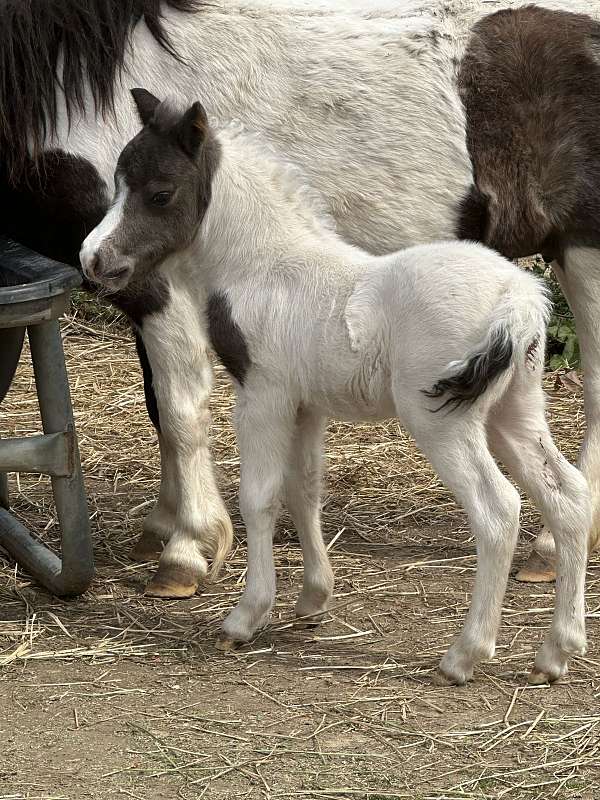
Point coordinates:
[[34, 292]]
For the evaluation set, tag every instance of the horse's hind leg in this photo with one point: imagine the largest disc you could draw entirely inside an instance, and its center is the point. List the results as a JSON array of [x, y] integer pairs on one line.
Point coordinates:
[[579, 277], [519, 436], [457, 448], [303, 495]]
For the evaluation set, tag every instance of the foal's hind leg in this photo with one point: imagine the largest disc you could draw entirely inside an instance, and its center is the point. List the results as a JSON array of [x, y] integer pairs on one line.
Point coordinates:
[[520, 437], [459, 453], [303, 493], [579, 278]]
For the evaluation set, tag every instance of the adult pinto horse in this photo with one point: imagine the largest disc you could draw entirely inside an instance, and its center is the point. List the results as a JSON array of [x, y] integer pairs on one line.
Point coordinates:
[[425, 120]]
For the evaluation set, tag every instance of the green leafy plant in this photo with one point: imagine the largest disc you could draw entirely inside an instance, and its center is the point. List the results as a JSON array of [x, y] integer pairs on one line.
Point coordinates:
[[562, 347]]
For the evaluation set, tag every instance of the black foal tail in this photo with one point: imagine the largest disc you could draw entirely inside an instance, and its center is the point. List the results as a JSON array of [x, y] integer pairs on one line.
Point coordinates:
[[469, 379]]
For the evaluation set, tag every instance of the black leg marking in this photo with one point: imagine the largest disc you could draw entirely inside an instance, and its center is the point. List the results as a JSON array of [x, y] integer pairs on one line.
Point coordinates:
[[151, 402]]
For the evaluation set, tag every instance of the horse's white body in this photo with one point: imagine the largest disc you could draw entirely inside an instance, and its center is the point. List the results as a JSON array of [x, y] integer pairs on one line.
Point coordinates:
[[366, 104], [367, 108]]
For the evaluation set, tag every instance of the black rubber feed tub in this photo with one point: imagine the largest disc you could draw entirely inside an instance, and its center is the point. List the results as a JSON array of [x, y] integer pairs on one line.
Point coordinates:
[[31, 286]]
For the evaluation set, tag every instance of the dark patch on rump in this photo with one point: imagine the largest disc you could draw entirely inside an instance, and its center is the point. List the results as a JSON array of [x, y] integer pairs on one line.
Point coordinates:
[[226, 337], [54, 216], [530, 85], [476, 376]]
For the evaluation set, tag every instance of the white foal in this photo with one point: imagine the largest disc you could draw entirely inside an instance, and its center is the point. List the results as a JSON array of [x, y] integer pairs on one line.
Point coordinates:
[[447, 337]]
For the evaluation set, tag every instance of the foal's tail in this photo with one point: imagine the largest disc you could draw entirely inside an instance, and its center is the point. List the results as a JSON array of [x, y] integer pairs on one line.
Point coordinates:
[[516, 339]]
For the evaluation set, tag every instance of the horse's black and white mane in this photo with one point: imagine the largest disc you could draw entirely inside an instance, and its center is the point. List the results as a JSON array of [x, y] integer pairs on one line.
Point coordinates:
[[84, 41]]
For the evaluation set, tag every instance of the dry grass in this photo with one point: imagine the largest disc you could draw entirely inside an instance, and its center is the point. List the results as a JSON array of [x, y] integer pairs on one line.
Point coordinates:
[[114, 695]]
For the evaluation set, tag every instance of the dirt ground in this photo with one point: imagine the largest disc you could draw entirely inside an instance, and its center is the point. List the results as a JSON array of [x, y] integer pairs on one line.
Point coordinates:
[[117, 696]]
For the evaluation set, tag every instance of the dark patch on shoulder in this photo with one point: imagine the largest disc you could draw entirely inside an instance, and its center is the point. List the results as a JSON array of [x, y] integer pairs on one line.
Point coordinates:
[[139, 300], [226, 337], [59, 200], [472, 216]]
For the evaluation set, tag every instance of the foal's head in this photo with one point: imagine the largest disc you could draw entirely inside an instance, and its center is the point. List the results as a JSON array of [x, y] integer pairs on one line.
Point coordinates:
[[163, 187]]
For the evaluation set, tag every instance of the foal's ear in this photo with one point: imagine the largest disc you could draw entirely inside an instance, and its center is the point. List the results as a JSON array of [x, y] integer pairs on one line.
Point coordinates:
[[192, 129], [146, 104]]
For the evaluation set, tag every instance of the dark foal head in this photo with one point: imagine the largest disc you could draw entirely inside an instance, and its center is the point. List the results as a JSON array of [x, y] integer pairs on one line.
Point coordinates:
[[163, 187]]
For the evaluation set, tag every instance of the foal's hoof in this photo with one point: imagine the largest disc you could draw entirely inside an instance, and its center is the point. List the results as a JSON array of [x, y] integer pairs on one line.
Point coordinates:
[[147, 548], [444, 679], [226, 645], [172, 582], [536, 570], [537, 678], [309, 622]]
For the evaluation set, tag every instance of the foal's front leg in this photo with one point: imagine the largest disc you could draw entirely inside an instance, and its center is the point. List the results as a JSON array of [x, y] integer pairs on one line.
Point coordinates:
[[190, 515], [264, 438], [303, 499]]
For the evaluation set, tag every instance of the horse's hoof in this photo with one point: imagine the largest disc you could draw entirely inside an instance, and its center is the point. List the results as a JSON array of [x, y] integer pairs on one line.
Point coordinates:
[[226, 645], [536, 570], [172, 582], [147, 548]]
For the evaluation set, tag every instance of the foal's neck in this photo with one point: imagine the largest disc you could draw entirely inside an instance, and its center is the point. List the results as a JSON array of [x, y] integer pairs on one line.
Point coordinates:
[[263, 217]]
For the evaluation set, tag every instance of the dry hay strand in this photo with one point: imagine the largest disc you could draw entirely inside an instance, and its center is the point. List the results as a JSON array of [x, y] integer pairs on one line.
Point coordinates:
[[346, 710]]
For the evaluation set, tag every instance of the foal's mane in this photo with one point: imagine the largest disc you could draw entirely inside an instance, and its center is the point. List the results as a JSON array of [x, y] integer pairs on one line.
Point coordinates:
[[287, 178], [89, 36]]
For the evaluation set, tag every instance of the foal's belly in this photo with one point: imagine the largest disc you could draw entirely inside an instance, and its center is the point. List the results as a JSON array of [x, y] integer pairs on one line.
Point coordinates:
[[355, 388]]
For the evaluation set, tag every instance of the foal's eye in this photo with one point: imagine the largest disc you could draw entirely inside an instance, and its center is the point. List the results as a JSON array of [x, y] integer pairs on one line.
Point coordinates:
[[161, 198]]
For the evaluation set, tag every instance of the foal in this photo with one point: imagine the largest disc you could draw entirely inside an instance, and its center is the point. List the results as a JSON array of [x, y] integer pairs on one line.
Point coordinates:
[[447, 337]]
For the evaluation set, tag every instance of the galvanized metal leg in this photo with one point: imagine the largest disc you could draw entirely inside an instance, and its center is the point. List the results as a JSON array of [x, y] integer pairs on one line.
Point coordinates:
[[73, 574]]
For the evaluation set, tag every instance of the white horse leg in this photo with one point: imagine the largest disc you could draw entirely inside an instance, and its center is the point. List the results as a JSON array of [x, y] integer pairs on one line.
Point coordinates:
[[265, 435], [303, 497], [580, 282], [520, 437], [158, 524], [192, 519], [463, 462]]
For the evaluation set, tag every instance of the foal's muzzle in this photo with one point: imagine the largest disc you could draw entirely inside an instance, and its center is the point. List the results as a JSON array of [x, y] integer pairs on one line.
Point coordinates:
[[106, 268]]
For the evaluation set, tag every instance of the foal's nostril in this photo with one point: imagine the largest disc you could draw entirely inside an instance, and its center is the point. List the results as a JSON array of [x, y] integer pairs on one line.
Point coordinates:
[[89, 262], [94, 263]]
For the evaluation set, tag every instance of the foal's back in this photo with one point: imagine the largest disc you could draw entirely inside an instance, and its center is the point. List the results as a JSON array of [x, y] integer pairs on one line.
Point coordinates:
[[431, 304]]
